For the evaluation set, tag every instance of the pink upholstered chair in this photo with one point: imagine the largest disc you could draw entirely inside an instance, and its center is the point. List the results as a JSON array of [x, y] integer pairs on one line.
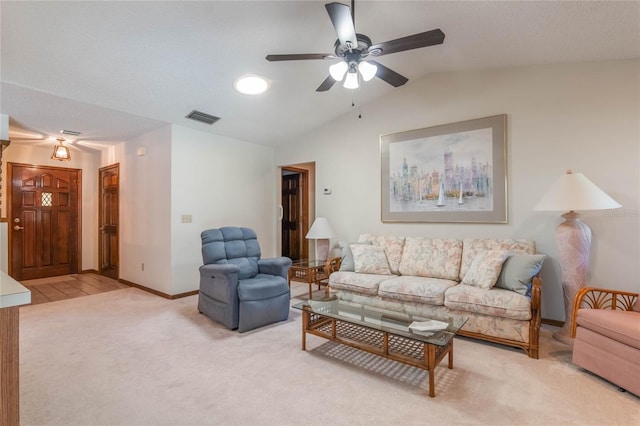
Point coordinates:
[[606, 327]]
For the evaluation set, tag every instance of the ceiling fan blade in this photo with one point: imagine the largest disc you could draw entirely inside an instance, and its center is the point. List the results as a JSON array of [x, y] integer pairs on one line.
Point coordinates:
[[340, 15], [388, 75], [300, 56], [415, 41], [326, 84]]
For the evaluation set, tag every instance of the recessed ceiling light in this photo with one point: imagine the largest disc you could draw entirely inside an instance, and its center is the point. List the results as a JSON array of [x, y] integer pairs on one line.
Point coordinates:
[[251, 84]]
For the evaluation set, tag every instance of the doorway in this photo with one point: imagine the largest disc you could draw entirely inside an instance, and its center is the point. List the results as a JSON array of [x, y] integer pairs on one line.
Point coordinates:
[[295, 212], [108, 220], [44, 230]]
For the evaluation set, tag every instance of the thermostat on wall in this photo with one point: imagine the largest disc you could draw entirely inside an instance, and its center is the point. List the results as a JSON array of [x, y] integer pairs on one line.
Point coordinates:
[[326, 191]]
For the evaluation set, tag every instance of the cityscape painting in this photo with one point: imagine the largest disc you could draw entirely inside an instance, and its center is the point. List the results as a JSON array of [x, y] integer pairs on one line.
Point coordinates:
[[449, 173]]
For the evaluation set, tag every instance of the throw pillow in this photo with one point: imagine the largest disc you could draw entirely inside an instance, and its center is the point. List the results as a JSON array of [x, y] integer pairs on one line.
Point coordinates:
[[518, 270], [347, 255], [370, 260], [485, 269]]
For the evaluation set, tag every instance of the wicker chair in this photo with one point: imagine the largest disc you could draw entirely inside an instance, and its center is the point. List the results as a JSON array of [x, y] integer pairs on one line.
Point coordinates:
[[606, 327]]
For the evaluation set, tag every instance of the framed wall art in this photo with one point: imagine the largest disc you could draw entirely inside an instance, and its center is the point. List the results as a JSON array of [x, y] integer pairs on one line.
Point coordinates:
[[449, 173]]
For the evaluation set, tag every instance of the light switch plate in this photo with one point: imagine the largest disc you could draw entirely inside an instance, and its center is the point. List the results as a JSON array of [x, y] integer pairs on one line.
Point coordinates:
[[185, 218]]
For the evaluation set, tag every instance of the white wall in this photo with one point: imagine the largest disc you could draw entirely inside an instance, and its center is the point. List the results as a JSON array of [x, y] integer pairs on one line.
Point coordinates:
[[219, 182], [145, 209], [583, 117], [30, 153]]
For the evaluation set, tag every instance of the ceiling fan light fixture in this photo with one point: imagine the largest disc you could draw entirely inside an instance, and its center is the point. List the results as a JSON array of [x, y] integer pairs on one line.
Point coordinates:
[[251, 84], [367, 70], [338, 70], [351, 82], [61, 152]]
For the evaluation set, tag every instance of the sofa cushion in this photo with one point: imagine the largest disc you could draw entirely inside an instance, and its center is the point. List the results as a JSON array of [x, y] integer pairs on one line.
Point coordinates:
[[356, 282], [518, 270], [622, 326], [346, 263], [472, 247], [370, 259], [392, 245], [485, 269], [431, 257], [496, 301], [429, 291]]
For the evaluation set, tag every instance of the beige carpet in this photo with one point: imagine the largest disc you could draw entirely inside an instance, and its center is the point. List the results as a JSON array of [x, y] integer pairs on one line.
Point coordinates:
[[131, 358]]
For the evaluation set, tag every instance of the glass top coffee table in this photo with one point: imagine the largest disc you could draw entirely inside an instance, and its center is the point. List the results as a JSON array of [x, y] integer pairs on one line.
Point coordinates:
[[410, 339]]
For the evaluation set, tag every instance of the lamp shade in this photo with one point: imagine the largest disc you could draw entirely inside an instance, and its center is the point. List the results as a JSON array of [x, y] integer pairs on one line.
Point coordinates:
[[338, 70], [573, 191], [351, 82], [320, 230], [367, 70]]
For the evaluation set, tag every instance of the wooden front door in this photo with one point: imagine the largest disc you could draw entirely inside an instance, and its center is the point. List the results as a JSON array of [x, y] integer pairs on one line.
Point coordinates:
[[44, 221], [109, 220]]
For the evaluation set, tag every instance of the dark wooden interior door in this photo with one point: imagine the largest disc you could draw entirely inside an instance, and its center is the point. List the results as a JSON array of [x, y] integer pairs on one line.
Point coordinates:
[[290, 214], [294, 214], [44, 228], [109, 220]]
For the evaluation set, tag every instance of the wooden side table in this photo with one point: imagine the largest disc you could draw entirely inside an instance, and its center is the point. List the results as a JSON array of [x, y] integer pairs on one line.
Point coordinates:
[[310, 272]]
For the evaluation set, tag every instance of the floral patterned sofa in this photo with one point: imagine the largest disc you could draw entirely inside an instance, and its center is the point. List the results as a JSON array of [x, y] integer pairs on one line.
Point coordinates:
[[492, 282]]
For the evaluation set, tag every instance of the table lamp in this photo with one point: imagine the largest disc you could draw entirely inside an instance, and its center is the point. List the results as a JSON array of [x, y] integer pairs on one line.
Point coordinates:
[[571, 192], [321, 232]]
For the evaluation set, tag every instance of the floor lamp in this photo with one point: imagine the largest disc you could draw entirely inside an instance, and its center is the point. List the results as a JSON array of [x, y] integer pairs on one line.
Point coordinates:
[[321, 232], [571, 192]]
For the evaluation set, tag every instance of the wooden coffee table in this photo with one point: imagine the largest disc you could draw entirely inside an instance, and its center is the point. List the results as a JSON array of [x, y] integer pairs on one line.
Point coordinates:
[[381, 332]]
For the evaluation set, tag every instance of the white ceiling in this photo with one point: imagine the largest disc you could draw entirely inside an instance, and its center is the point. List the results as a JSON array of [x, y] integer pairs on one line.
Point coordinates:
[[113, 70]]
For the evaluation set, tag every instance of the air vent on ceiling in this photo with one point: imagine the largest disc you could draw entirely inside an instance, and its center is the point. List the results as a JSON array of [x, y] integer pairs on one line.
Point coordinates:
[[70, 132], [202, 117]]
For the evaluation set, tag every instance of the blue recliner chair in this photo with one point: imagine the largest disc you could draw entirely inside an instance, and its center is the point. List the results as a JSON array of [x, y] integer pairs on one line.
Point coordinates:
[[237, 288]]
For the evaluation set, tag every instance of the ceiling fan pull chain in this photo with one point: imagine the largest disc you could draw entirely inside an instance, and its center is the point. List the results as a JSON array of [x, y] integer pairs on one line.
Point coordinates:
[[353, 102]]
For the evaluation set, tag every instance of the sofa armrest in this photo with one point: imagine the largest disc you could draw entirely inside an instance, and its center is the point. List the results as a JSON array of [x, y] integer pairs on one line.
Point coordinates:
[[536, 316], [275, 266], [601, 298], [332, 265]]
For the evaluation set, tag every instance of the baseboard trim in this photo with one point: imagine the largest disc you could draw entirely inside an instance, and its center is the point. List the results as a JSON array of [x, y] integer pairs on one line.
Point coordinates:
[[156, 292], [553, 322], [90, 271]]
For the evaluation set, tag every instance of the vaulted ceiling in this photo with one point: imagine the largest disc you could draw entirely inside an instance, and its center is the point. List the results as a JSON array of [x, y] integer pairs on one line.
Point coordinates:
[[113, 70]]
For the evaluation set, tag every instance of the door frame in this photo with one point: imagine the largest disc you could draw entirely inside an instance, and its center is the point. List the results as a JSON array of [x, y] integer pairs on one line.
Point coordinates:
[[78, 245], [305, 212], [100, 236]]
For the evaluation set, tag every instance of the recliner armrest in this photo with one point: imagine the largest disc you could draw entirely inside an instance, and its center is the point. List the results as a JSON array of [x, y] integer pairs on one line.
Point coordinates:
[[220, 282], [275, 266], [222, 269]]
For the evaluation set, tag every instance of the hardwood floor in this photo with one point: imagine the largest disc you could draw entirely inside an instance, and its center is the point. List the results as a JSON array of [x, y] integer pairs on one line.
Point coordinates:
[[63, 287]]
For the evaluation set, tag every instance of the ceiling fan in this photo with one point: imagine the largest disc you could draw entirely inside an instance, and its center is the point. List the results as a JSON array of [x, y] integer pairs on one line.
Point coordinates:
[[355, 49]]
